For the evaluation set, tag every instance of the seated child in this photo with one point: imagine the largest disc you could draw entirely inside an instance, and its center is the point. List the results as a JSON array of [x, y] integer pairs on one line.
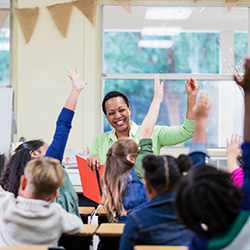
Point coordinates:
[[206, 200], [123, 192], [156, 223], [30, 219], [11, 174]]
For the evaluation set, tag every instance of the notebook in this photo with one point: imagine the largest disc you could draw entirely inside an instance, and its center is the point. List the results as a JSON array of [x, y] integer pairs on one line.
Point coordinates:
[[90, 180]]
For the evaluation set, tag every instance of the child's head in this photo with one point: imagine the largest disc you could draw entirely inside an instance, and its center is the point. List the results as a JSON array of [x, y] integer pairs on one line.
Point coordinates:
[[163, 173], [11, 174], [42, 177], [206, 200], [120, 159]]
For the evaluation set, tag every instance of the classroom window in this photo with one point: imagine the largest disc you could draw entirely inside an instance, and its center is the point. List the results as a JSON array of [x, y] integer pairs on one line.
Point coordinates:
[[178, 42], [5, 46]]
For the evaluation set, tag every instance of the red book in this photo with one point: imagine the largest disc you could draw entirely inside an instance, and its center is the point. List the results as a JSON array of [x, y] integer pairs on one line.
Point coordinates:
[[90, 180]]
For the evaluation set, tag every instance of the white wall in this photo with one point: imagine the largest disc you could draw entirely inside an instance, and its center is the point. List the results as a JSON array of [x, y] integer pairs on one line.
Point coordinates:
[[40, 78]]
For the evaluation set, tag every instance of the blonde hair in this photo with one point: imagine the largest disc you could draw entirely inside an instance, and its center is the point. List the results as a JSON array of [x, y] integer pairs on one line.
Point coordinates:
[[46, 175], [114, 178]]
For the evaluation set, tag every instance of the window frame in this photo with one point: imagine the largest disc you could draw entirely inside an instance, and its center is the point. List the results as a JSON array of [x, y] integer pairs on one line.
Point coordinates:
[[219, 151]]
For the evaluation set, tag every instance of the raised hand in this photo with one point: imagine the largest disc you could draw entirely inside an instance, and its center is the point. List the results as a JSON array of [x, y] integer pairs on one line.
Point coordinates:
[[233, 149], [203, 106], [75, 78], [192, 87], [158, 89], [245, 82]]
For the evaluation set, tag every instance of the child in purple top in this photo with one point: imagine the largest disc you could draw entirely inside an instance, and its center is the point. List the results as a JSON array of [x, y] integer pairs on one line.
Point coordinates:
[[207, 202]]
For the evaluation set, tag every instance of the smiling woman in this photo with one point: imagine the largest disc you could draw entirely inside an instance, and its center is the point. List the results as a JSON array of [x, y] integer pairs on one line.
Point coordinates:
[[116, 107]]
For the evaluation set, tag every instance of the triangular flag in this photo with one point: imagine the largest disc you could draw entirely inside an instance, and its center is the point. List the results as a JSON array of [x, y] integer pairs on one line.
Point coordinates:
[[27, 19], [230, 4], [126, 4], [195, 1], [61, 15], [88, 8], [3, 16]]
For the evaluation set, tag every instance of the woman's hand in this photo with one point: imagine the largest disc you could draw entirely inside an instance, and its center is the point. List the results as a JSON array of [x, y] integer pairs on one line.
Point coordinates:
[[93, 162], [75, 78]]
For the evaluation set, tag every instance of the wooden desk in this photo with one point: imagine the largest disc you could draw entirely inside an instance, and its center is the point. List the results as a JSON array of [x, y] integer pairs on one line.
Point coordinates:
[[88, 230], [36, 247], [101, 212], [79, 241], [110, 229], [110, 234], [160, 248], [85, 212]]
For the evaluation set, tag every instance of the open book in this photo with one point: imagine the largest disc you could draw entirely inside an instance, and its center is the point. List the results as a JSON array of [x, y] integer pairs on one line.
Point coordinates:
[[90, 180]]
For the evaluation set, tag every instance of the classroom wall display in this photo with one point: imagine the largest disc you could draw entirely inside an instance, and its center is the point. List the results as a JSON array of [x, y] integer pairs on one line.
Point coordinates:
[[126, 4], [88, 8], [230, 4], [6, 96], [4, 13], [28, 20], [61, 15]]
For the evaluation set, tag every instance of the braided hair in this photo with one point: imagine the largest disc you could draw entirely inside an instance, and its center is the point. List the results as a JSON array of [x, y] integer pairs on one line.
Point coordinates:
[[163, 173]]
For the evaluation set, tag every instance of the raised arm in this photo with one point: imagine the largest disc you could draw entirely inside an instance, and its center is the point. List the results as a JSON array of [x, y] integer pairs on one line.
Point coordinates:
[[150, 120], [245, 84], [192, 88], [63, 125], [198, 149], [233, 151]]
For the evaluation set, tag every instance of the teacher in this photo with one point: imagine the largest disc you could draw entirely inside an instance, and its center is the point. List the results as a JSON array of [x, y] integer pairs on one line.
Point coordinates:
[[116, 107]]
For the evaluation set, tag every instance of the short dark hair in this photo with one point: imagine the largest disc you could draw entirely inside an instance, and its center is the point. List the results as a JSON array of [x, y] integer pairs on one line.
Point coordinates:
[[163, 173], [113, 94], [207, 196]]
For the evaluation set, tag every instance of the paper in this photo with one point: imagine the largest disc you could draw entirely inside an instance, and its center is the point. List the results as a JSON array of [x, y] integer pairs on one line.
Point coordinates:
[[230, 4], [126, 4], [4, 13], [28, 20], [89, 181], [88, 8], [61, 15]]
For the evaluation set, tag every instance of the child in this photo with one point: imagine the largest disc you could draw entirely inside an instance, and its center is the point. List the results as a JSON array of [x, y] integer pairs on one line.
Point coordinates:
[[123, 192], [156, 223], [206, 200], [30, 219], [10, 176]]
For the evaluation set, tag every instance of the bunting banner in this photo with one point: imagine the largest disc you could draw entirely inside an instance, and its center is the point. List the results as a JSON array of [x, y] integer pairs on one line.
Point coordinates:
[[61, 15], [125, 4], [195, 1], [88, 8], [4, 13], [230, 4], [28, 20]]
